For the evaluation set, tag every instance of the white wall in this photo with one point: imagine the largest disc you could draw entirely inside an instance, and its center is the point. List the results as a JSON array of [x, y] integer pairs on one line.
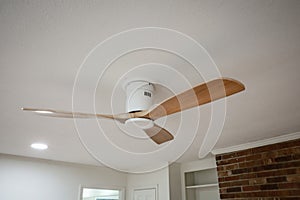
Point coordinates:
[[175, 181], [35, 179], [159, 178]]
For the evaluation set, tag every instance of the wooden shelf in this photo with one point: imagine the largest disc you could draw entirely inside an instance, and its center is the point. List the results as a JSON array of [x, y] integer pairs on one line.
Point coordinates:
[[202, 186]]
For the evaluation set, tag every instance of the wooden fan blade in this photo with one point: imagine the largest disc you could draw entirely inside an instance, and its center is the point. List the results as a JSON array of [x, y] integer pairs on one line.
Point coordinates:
[[65, 114], [158, 134], [199, 95]]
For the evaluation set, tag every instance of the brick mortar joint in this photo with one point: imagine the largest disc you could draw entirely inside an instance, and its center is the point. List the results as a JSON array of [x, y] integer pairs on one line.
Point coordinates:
[[254, 152], [271, 190], [279, 183], [257, 172], [262, 165], [218, 163]]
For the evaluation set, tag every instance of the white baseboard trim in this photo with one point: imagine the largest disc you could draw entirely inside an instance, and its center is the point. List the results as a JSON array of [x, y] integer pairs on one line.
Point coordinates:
[[282, 138]]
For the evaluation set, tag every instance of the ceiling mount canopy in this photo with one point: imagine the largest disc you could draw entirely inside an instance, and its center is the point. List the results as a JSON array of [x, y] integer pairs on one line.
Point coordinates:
[[139, 96]]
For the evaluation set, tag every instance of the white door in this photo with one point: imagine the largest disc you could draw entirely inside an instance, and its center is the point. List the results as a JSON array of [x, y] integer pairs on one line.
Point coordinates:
[[145, 194]]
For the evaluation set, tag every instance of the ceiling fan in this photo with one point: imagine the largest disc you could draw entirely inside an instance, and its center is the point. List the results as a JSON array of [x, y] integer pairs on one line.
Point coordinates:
[[139, 100]]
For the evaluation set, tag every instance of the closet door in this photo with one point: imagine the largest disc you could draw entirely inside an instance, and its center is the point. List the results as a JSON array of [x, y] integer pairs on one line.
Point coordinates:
[[145, 194]]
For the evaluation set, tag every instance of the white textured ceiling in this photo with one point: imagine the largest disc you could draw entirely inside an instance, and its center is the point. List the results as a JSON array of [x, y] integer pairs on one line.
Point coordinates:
[[43, 44]]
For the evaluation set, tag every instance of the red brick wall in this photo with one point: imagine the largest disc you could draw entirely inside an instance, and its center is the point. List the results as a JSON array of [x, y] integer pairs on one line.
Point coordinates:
[[262, 173]]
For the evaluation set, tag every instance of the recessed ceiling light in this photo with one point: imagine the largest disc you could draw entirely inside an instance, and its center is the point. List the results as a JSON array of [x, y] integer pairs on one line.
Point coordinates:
[[39, 146], [43, 112]]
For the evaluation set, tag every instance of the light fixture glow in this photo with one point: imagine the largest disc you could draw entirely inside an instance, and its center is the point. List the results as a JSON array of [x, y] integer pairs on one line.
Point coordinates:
[[39, 146], [43, 112]]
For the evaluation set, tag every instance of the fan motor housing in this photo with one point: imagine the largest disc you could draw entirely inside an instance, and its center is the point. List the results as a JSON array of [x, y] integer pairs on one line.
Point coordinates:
[[139, 96]]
